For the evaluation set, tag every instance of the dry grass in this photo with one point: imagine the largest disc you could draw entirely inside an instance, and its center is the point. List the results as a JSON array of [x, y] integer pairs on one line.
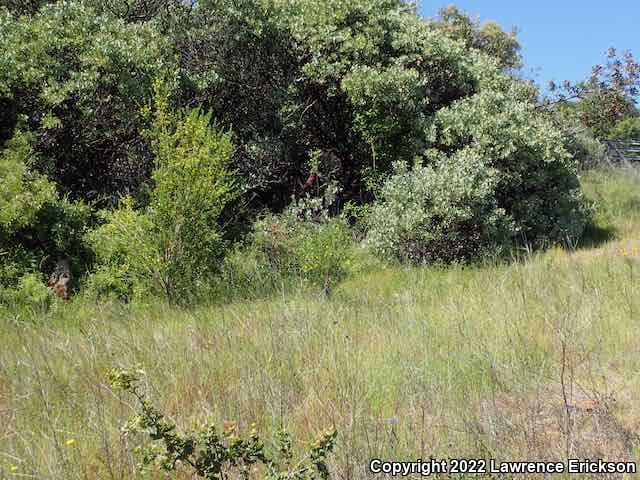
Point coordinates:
[[537, 359]]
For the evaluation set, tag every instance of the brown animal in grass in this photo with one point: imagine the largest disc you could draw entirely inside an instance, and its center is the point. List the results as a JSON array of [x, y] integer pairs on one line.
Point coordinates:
[[60, 279]]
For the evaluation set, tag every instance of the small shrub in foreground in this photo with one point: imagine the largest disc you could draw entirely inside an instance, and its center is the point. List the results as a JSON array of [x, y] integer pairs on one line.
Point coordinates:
[[218, 454]]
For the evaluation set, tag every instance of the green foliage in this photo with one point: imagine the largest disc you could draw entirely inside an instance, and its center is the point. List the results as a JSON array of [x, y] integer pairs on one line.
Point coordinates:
[[78, 80], [192, 187], [440, 213], [389, 111], [175, 245], [538, 186], [487, 37], [36, 226], [626, 129], [601, 111], [509, 179], [23, 7], [356, 80], [322, 251], [307, 250], [126, 259], [219, 454], [303, 246], [24, 193], [585, 148], [305, 242], [30, 293], [317, 93]]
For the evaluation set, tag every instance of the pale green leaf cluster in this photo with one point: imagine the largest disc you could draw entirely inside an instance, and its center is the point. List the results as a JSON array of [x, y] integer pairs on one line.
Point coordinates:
[[508, 180], [538, 185], [24, 193], [442, 212], [68, 50]]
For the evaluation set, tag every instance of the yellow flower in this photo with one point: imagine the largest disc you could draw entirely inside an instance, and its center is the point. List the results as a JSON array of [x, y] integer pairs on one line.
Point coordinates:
[[14, 468], [71, 441]]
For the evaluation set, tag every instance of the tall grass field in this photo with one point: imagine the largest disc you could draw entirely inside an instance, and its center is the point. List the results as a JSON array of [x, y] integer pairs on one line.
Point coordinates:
[[536, 358]]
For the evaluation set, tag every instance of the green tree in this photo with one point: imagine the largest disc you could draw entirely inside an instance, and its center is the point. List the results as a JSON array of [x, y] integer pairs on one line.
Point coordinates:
[[626, 129], [78, 80], [605, 98], [172, 247], [487, 37]]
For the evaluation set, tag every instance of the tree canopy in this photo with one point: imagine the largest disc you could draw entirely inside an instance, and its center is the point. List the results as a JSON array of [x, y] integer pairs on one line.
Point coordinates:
[[312, 94]]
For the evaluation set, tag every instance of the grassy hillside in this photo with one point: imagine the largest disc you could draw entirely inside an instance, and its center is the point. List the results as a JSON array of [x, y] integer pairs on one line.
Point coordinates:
[[534, 359]]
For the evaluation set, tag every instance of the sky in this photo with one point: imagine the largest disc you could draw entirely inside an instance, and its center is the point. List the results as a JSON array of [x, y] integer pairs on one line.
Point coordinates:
[[561, 39]]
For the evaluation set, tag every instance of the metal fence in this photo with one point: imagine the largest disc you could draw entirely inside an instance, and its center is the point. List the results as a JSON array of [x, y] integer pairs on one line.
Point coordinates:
[[623, 151]]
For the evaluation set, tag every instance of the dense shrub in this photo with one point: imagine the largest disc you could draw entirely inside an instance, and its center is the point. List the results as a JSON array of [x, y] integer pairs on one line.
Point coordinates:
[[303, 245], [317, 252], [585, 148], [174, 245], [24, 193], [77, 80], [317, 93], [29, 295], [127, 261], [538, 185], [37, 226], [509, 178], [626, 129], [441, 212]]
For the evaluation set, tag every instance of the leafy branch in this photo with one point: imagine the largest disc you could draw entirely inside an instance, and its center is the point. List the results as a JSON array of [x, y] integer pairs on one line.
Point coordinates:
[[218, 454]]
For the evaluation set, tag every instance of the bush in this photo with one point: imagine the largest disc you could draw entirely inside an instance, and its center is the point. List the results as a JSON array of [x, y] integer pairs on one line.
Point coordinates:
[[218, 454], [192, 186], [586, 149], [29, 293], [24, 193], [322, 251], [175, 245], [440, 213], [358, 80], [507, 179], [537, 181], [301, 245], [126, 259], [626, 129], [37, 227], [284, 248], [305, 242]]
